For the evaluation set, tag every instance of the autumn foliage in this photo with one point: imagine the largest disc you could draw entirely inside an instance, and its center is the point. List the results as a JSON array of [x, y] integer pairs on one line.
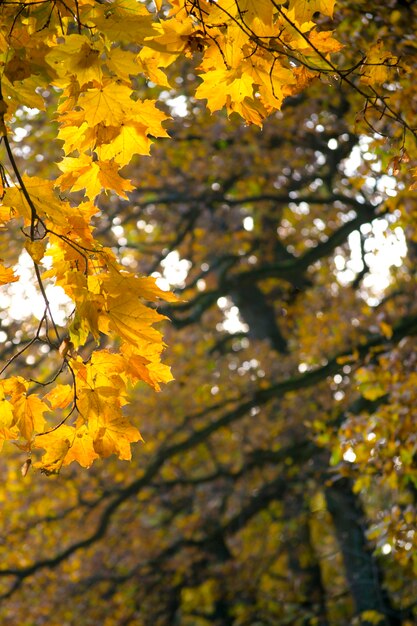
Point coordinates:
[[85, 52], [231, 173]]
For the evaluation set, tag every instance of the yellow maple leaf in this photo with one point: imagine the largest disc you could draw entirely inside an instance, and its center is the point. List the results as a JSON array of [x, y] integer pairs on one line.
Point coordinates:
[[122, 63], [93, 176], [28, 414], [110, 179], [214, 12], [7, 275], [108, 104], [74, 137], [171, 39], [74, 168], [253, 111], [130, 21], [56, 444], [101, 387], [86, 318], [239, 88], [45, 200], [15, 204], [233, 47], [147, 288], [22, 92], [12, 390], [6, 411], [101, 390], [378, 66], [113, 435], [304, 10], [273, 86], [130, 319], [130, 140], [324, 41], [149, 62], [260, 9], [60, 396], [7, 213], [214, 88], [147, 113], [147, 365], [36, 249], [105, 369], [121, 310], [78, 56], [81, 448]]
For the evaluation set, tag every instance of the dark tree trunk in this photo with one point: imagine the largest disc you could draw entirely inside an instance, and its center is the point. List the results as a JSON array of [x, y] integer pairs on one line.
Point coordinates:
[[362, 570]]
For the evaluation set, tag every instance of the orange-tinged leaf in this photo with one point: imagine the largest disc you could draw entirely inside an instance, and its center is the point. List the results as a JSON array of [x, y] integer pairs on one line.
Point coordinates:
[[7, 213], [93, 176], [60, 396], [146, 112], [81, 448], [101, 389], [324, 41], [7, 434], [7, 275], [146, 366], [113, 434], [110, 178]]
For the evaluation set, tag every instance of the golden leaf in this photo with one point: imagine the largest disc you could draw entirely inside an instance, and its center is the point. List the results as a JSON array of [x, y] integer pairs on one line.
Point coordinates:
[[36, 249], [304, 10], [7, 275], [28, 414]]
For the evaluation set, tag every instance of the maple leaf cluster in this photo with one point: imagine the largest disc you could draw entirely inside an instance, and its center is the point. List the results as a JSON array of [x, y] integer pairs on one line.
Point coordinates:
[[88, 59], [92, 55]]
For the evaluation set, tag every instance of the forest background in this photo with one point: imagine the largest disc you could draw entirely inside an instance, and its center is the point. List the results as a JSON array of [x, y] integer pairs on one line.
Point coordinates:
[[241, 174]]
